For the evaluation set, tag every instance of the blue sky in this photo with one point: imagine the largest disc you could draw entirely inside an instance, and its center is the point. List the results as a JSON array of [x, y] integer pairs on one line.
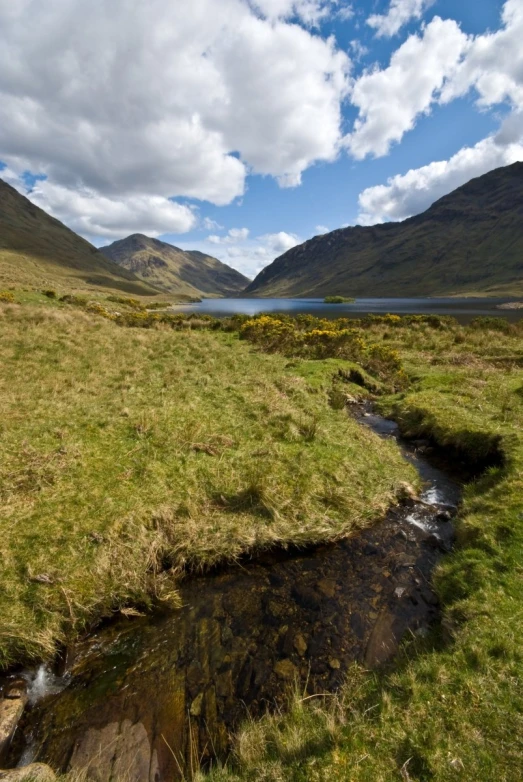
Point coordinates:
[[244, 130]]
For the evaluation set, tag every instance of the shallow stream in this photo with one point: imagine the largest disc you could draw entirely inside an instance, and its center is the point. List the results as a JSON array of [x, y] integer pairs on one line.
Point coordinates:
[[149, 699]]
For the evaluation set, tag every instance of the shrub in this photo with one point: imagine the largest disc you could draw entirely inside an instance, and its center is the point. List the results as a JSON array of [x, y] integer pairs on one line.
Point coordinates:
[[51, 294], [337, 300], [127, 301], [6, 296], [76, 301], [489, 323], [98, 309]]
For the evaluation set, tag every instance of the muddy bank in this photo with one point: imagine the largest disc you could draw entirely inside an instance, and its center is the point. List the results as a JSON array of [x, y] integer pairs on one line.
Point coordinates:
[[151, 698]]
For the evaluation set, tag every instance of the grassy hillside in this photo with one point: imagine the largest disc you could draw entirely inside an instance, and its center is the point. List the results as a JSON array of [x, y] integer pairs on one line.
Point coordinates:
[[38, 251], [174, 270], [470, 241]]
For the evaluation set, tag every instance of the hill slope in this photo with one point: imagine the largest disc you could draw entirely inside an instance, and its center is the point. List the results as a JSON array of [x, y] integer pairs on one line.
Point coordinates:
[[470, 241], [37, 250], [174, 270]]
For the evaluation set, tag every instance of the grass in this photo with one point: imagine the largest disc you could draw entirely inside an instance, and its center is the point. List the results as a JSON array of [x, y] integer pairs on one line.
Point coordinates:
[[36, 250], [337, 300], [452, 705], [131, 455]]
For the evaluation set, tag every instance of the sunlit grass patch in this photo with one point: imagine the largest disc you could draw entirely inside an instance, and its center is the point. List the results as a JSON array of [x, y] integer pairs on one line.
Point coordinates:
[[130, 454]]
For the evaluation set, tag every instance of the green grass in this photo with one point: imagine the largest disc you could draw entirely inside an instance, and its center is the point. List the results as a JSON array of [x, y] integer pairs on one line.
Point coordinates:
[[337, 300], [451, 707], [130, 455]]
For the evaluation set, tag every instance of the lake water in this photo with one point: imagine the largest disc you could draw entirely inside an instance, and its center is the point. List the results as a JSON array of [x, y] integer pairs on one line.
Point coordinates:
[[462, 309]]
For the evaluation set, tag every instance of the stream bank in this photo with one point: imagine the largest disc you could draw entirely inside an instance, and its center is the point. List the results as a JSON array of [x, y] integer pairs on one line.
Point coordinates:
[[152, 698]]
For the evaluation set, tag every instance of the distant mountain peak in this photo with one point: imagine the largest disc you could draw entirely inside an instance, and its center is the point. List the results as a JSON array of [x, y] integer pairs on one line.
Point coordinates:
[[175, 270]]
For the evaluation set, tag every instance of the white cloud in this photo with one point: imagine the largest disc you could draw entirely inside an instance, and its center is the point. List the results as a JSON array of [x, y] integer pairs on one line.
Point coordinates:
[[280, 242], [211, 225], [248, 255], [99, 217], [494, 63], [234, 235], [416, 190], [345, 13], [322, 229], [165, 99], [390, 100], [399, 13], [311, 12], [358, 50]]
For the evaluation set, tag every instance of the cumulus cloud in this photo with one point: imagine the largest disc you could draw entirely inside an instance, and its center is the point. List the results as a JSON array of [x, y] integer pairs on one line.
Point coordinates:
[[390, 99], [103, 217], [494, 63], [248, 255], [311, 12], [399, 13], [280, 242], [492, 66], [416, 190], [161, 99], [234, 235]]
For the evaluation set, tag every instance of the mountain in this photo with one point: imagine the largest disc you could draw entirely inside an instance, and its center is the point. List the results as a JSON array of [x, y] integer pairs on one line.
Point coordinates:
[[36, 250], [174, 270], [470, 241]]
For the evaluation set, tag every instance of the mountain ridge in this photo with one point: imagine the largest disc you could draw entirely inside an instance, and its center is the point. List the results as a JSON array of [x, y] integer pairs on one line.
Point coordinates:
[[468, 241], [36, 249], [174, 270]]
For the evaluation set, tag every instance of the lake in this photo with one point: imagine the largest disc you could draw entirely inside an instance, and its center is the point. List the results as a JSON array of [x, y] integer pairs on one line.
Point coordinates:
[[463, 309]]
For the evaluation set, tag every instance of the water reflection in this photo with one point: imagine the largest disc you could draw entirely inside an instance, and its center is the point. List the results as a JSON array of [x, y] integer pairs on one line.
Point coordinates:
[[462, 309]]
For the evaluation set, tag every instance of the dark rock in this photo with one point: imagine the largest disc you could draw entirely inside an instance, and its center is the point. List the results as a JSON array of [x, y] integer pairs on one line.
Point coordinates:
[[306, 597]]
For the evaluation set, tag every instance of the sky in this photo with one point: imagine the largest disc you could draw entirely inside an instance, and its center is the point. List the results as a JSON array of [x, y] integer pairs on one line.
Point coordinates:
[[244, 127]]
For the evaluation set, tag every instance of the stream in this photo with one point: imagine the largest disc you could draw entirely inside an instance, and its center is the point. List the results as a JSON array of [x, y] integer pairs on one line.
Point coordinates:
[[151, 698]]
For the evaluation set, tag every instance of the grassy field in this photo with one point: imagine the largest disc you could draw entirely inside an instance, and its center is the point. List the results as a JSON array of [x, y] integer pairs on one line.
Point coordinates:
[[132, 454], [452, 706], [129, 455]]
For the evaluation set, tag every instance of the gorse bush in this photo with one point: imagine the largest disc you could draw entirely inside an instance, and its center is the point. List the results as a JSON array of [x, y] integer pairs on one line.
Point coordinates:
[[127, 301], [6, 296], [309, 337]]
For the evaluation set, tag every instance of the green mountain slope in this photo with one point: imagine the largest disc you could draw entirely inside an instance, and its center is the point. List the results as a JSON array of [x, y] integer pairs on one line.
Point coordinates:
[[174, 270], [470, 241], [36, 250]]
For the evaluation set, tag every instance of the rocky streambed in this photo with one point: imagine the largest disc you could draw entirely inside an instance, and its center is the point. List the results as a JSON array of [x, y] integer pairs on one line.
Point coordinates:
[[150, 699]]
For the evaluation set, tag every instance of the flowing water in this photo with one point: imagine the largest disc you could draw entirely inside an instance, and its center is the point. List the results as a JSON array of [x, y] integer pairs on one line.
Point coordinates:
[[464, 309], [148, 699]]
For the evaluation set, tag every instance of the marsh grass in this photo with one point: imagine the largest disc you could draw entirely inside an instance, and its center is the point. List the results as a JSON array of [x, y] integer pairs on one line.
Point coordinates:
[[129, 456], [451, 706]]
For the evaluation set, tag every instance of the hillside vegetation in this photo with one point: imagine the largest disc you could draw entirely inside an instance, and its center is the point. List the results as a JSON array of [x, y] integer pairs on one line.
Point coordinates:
[[128, 455], [469, 242], [137, 445], [38, 251], [174, 270], [451, 706]]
